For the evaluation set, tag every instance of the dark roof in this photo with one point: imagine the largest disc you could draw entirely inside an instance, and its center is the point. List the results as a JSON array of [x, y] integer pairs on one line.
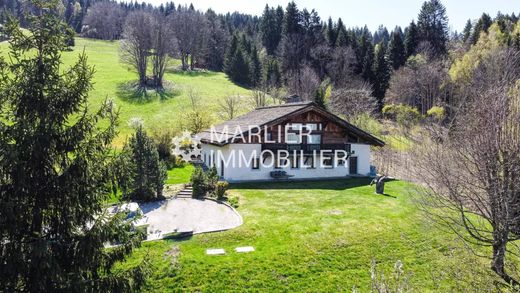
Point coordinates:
[[271, 115]]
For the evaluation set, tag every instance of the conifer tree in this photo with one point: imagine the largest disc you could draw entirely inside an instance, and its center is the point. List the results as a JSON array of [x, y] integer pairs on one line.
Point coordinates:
[[432, 24], [291, 21], [411, 39], [270, 28], [331, 33], [146, 171], [255, 68], [367, 71], [482, 25], [381, 71], [56, 175], [396, 51], [466, 33]]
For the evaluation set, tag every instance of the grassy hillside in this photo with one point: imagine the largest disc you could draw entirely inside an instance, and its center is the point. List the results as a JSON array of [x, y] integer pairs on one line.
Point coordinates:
[[317, 236], [158, 112]]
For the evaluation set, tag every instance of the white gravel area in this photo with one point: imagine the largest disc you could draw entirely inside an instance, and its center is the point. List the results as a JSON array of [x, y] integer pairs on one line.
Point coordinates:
[[186, 214]]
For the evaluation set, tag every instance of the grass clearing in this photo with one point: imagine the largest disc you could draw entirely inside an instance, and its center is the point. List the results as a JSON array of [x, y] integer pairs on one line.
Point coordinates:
[[310, 235], [158, 112], [180, 174]]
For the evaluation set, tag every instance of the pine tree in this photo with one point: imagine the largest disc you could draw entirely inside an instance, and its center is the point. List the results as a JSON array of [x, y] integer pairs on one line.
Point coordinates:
[[291, 22], [147, 171], [56, 177], [381, 71], [411, 39], [270, 29], [482, 25], [432, 24], [396, 51], [331, 33], [466, 33], [255, 68], [367, 70], [272, 76]]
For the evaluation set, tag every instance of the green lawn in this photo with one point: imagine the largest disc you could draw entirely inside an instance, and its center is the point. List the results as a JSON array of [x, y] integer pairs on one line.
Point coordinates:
[[316, 236], [180, 174], [112, 77]]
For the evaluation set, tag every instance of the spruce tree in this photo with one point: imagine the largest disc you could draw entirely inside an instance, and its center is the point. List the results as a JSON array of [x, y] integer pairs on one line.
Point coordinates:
[[482, 25], [466, 33], [381, 71], [396, 52], [146, 171], [270, 29], [255, 68], [331, 33], [55, 170], [291, 21], [367, 72], [411, 39], [432, 24]]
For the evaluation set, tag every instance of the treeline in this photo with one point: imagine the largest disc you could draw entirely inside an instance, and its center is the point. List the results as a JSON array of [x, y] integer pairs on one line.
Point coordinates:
[[294, 49]]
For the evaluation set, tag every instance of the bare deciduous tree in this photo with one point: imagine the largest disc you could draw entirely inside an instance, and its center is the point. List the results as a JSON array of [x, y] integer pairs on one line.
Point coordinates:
[[303, 82], [418, 84], [164, 44], [472, 172], [104, 20], [353, 100], [230, 107], [191, 29], [258, 98], [137, 42], [196, 119]]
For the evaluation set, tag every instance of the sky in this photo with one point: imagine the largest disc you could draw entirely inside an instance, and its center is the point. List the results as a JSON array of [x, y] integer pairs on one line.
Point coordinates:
[[360, 12]]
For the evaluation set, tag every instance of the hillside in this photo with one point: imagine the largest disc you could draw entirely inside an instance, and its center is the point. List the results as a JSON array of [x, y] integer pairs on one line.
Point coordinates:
[[111, 81]]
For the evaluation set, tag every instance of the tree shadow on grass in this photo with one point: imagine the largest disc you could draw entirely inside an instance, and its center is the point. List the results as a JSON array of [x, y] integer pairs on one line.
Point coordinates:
[[333, 184], [131, 92]]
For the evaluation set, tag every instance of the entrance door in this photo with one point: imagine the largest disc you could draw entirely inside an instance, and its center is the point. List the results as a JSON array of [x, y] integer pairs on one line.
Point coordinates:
[[353, 169]]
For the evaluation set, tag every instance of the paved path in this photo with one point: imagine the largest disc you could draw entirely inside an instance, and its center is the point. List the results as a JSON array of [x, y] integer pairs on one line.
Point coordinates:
[[186, 214]]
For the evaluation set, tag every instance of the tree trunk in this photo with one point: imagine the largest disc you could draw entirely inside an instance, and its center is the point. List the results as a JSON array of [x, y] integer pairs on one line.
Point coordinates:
[[498, 262]]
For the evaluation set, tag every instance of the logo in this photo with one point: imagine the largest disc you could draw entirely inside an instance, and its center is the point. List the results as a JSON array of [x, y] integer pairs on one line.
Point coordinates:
[[187, 147]]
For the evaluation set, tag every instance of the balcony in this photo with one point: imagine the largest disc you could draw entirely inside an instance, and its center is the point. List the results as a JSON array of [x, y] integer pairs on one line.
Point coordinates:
[[306, 148]]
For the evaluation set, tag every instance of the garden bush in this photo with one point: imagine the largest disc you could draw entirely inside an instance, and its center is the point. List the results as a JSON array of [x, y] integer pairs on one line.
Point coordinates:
[[221, 188], [199, 183]]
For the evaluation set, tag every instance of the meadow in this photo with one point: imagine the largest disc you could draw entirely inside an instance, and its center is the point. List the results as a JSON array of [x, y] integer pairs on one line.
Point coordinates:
[[159, 112], [317, 236]]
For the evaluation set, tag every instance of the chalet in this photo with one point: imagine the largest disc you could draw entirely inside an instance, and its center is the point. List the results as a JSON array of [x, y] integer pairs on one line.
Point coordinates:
[[297, 140]]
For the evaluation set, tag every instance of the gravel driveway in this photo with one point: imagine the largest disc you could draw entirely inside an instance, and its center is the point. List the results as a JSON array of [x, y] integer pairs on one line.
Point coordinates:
[[186, 214]]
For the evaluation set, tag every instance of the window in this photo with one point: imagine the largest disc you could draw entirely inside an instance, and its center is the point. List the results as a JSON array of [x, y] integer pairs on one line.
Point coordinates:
[[255, 164], [309, 162], [292, 138], [314, 139], [295, 126], [328, 163], [295, 162], [313, 126]]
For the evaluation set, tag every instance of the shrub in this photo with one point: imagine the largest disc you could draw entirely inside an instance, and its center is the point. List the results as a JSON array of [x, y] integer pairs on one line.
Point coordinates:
[[233, 201], [220, 189], [368, 123], [437, 113], [199, 183], [404, 115], [163, 141]]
